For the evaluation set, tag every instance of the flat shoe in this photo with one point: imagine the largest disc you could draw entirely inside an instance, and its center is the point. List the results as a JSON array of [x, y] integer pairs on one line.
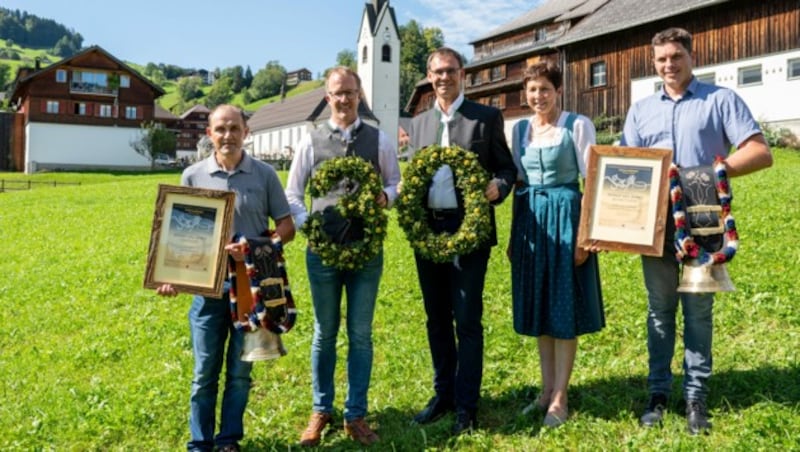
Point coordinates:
[[535, 407], [554, 420]]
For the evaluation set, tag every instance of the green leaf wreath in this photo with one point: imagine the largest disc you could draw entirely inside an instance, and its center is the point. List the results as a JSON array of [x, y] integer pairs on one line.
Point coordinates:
[[361, 204], [470, 179]]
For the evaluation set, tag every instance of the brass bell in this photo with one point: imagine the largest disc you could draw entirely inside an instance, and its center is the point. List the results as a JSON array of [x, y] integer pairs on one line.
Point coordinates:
[[262, 345], [696, 278]]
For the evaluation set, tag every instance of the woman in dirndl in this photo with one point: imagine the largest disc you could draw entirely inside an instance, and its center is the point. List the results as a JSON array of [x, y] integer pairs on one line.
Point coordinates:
[[555, 284]]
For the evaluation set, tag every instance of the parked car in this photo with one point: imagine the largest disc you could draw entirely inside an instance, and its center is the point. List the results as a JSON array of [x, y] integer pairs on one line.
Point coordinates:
[[164, 160]]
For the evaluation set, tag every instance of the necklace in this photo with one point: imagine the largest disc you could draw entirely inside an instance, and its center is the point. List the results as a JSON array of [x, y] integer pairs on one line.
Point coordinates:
[[549, 124]]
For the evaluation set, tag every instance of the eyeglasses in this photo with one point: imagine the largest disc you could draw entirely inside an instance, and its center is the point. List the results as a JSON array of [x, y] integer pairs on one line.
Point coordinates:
[[341, 95], [449, 71]]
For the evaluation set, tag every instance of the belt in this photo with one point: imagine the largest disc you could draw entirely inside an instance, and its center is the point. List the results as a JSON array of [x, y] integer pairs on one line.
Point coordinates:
[[443, 214]]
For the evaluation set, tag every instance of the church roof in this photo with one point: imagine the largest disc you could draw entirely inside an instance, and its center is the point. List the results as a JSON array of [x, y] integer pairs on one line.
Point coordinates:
[[374, 10]]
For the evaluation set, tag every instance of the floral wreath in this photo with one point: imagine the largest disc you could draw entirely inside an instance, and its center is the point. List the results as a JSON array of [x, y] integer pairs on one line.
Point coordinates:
[[470, 179], [684, 242], [361, 204]]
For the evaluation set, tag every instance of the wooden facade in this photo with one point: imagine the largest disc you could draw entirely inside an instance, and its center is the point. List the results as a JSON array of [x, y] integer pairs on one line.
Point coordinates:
[[722, 32], [128, 105], [726, 32]]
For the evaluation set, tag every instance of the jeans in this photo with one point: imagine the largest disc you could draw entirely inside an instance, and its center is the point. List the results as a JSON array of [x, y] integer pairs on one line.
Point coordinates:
[[210, 324], [453, 293], [361, 287], [661, 280]]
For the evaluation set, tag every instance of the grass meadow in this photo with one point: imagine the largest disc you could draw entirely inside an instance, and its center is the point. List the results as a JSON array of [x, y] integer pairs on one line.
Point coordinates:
[[89, 360]]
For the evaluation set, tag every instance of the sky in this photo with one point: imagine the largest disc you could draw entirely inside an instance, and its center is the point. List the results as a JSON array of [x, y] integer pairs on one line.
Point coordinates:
[[205, 34]]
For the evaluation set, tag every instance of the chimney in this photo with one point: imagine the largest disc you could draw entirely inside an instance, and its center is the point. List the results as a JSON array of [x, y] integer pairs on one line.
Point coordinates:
[[37, 63]]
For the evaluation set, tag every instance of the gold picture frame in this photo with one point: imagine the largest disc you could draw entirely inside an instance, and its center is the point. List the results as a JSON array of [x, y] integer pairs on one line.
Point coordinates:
[[625, 199], [187, 243]]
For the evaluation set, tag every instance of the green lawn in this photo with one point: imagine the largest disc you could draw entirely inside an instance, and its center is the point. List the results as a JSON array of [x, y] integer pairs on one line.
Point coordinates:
[[89, 360]]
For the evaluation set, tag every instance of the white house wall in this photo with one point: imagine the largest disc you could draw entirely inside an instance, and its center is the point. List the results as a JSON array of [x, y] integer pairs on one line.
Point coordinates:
[[273, 143], [63, 146], [773, 100]]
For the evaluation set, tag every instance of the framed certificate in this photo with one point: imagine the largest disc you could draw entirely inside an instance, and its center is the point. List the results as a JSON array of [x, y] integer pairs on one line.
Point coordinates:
[[190, 229], [625, 199]]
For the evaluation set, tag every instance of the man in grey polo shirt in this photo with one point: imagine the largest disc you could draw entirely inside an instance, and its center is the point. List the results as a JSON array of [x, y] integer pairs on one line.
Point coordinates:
[[259, 196]]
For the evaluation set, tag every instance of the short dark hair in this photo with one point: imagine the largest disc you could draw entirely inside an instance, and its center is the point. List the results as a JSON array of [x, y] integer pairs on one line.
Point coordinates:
[[545, 68], [234, 107], [674, 34], [445, 51]]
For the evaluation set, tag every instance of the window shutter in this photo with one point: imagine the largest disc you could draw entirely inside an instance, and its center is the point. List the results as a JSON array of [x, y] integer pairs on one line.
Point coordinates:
[[44, 106], [139, 113], [88, 109]]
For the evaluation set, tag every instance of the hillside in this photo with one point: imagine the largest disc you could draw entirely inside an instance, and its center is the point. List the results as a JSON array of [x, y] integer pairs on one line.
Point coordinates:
[[28, 56]]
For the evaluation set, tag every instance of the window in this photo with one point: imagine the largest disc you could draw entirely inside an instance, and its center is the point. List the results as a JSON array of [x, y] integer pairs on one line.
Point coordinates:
[[523, 100], [750, 75], [104, 111], [80, 108], [364, 54], [130, 112], [52, 106], [497, 101], [477, 79], [61, 76], [498, 73], [709, 78], [598, 74], [386, 53], [124, 81], [793, 71]]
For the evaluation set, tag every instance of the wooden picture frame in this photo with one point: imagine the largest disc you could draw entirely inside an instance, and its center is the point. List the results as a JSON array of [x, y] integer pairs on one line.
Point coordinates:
[[625, 199], [191, 227]]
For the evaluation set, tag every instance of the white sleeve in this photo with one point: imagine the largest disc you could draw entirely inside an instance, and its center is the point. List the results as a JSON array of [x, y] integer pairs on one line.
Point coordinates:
[[584, 136], [390, 168], [299, 174]]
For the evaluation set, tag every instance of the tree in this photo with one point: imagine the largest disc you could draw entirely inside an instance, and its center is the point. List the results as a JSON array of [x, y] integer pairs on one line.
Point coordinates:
[[268, 81], [416, 44], [347, 58], [221, 92], [189, 87], [4, 70], [248, 77], [64, 47], [236, 76], [155, 139]]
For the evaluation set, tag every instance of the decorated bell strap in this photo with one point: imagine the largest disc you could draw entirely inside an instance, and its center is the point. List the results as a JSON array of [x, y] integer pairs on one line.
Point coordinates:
[[685, 244], [271, 304]]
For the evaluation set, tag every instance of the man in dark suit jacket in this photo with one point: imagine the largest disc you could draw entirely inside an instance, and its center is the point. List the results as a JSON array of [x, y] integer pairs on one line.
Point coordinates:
[[453, 291]]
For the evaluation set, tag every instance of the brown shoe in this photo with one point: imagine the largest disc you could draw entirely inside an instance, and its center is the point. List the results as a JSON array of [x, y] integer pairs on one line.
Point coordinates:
[[316, 425], [360, 431]]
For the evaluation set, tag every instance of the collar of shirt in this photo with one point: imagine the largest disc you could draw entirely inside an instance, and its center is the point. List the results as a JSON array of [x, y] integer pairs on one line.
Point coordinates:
[[245, 165], [348, 131], [447, 116], [690, 90]]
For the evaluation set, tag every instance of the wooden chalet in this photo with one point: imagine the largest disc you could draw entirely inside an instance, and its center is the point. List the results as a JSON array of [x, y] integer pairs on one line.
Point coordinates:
[[605, 49], [294, 78], [191, 127], [82, 112]]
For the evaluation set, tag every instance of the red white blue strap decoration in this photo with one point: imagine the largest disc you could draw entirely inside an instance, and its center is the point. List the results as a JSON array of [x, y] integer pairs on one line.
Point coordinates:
[[259, 314], [684, 242]]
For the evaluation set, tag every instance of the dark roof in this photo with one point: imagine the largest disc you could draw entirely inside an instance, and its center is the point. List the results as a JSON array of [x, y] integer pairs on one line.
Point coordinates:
[[199, 108], [310, 106], [541, 14], [374, 10], [162, 113], [26, 74], [617, 15]]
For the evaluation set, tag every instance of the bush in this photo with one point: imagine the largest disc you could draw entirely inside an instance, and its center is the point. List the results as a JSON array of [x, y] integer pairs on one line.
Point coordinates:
[[779, 136], [608, 138], [609, 124]]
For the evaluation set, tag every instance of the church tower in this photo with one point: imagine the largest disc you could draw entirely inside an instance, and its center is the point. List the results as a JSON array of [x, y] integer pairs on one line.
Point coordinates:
[[378, 55]]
